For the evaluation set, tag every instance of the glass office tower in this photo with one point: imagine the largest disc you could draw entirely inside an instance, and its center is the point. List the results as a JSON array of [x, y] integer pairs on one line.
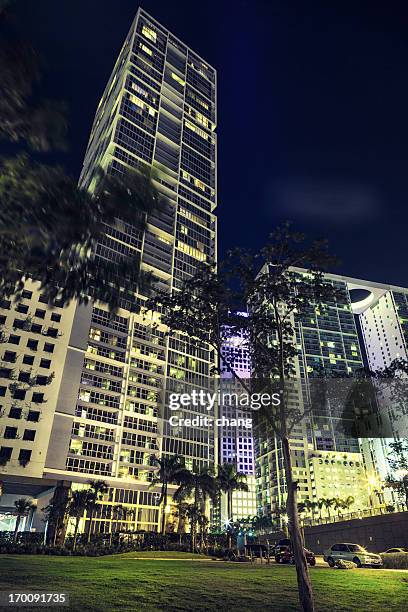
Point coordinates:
[[236, 442]]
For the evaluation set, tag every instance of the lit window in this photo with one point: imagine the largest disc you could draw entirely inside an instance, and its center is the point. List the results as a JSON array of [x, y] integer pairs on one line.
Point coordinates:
[[139, 90], [185, 248], [146, 49], [199, 184], [149, 33], [178, 79], [197, 130]]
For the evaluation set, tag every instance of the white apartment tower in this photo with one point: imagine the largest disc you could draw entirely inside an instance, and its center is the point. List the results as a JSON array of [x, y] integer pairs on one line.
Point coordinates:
[[383, 315], [107, 412]]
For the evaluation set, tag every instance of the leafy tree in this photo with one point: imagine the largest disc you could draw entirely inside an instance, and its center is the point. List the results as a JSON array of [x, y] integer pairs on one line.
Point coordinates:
[[292, 280], [41, 124], [397, 480], [50, 227], [170, 469], [230, 480], [22, 508]]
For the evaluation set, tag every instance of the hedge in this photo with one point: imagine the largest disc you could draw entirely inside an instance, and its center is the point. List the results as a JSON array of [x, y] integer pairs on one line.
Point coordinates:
[[395, 560]]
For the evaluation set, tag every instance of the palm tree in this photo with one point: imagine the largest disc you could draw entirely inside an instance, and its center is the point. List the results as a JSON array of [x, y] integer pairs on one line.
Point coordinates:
[[337, 504], [203, 524], [55, 516], [310, 506], [22, 508], [194, 514], [348, 502], [116, 515], [230, 480], [77, 505], [181, 513], [262, 523], [328, 503], [96, 491], [198, 485], [170, 469], [320, 504]]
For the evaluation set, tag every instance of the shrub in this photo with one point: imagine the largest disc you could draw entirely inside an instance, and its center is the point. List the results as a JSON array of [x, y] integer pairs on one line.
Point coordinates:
[[345, 565], [395, 560]]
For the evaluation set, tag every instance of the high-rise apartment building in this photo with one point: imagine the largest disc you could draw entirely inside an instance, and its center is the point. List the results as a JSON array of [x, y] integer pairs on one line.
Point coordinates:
[[327, 340], [382, 312], [114, 373]]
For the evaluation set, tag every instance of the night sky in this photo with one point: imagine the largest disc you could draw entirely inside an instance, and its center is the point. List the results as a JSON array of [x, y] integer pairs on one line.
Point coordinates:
[[312, 111]]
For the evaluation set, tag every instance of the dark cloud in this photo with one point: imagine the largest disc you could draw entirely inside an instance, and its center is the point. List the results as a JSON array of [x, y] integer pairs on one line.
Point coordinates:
[[324, 201]]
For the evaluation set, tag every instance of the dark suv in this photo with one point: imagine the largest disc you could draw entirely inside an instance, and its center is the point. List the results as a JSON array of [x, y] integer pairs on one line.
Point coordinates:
[[281, 545], [284, 554]]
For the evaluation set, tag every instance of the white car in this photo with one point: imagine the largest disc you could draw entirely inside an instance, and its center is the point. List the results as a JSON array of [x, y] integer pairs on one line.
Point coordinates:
[[351, 552], [396, 550]]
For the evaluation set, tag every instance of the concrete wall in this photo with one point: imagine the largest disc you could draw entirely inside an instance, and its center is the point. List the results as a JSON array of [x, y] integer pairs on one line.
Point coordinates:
[[377, 533]]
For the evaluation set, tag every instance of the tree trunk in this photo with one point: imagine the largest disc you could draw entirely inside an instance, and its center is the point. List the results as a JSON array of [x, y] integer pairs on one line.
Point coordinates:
[[78, 518], [164, 504], [193, 535], [58, 525], [303, 578], [18, 519], [89, 530], [194, 519], [229, 512], [405, 482]]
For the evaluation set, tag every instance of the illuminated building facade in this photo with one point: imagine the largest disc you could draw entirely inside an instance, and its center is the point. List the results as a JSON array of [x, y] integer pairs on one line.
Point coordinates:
[[382, 311], [326, 340], [236, 443], [108, 416]]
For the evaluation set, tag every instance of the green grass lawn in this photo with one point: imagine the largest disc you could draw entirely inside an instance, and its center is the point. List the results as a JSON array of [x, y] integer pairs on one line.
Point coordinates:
[[122, 583]]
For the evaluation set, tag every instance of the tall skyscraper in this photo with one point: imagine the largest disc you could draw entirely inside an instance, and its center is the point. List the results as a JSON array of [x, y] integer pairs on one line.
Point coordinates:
[[236, 444], [110, 412]]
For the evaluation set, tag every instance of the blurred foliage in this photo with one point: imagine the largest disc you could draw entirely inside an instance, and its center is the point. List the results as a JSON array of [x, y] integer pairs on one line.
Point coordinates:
[[25, 116], [50, 227]]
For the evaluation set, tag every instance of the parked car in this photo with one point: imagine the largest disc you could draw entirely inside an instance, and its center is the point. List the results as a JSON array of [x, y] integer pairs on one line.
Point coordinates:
[[281, 545], [395, 550], [286, 556], [351, 552]]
